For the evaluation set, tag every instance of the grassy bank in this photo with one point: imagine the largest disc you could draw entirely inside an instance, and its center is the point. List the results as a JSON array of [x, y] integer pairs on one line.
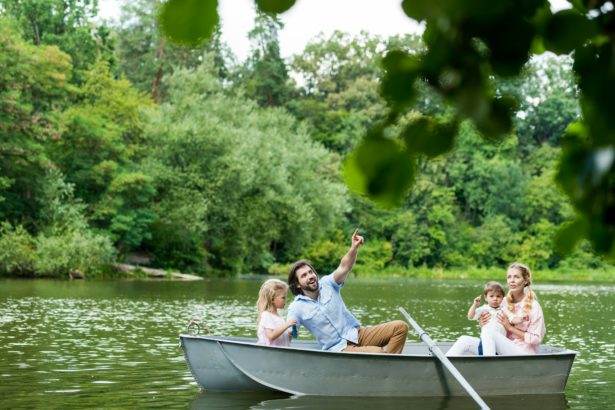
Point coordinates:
[[497, 273], [580, 275]]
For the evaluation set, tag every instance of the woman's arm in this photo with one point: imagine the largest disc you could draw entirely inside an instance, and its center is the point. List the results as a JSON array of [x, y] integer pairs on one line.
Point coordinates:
[[509, 327], [536, 330], [273, 334]]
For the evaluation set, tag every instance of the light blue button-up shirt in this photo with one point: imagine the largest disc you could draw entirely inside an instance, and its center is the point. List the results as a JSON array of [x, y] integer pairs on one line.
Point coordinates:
[[326, 318]]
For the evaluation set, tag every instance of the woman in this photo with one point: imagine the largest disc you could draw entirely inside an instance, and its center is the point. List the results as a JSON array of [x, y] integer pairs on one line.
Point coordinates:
[[521, 338]]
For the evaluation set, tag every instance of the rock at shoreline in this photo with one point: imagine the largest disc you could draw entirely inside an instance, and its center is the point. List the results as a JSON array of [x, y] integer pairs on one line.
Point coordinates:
[[156, 273]]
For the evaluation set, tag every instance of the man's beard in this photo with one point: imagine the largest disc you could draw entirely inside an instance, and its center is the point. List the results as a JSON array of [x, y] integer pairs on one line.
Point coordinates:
[[311, 286]]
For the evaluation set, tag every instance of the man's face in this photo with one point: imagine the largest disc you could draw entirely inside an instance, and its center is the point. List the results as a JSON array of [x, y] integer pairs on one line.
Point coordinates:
[[308, 280]]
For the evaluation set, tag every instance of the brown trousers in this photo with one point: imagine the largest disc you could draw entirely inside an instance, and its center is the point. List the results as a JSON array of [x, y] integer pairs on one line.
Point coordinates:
[[387, 337]]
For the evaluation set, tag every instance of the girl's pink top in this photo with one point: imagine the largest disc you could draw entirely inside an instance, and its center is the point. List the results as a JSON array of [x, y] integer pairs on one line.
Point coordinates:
[[533, 324], [270, 321]]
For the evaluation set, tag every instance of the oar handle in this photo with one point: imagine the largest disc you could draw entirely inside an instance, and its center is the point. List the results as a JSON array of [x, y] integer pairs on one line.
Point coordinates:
[[447, 363]]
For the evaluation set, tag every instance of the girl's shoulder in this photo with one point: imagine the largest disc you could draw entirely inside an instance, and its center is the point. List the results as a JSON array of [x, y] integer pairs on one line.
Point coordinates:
[[266, 313], [268, 317]]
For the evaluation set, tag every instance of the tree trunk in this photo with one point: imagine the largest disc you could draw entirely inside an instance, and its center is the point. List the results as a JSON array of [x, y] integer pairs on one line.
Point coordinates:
[[37, 34], [158, 77]]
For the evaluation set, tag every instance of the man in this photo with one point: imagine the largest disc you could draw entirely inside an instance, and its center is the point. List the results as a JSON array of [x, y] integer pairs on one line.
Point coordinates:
[[319, 307]]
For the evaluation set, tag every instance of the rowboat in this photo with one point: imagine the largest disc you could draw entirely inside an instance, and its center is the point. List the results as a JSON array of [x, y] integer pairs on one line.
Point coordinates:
[[221, 363]]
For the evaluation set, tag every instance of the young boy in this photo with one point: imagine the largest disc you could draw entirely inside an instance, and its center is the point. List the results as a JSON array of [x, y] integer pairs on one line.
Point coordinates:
[[494, 294]]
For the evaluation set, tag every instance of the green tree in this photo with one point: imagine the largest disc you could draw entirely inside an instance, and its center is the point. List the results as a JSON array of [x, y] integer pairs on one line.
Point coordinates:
[[145, 57], [33, 88], [65, 242], [495, 242], [339, 97], [67, 24], [264, 76], [254, 187], [548, 100]]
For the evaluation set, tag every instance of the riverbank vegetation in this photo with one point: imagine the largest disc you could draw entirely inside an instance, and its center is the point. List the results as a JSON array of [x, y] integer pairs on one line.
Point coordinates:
[[114, 142]]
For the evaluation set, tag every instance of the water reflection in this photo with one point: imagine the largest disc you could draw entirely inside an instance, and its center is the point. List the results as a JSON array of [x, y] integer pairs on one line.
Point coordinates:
[[270, 401]]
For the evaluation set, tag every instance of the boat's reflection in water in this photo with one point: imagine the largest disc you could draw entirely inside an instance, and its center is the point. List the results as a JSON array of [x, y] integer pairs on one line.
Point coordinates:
[[264, 400]]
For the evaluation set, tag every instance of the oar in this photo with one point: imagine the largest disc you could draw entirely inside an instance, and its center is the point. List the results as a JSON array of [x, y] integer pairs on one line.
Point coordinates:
[[447, 363]]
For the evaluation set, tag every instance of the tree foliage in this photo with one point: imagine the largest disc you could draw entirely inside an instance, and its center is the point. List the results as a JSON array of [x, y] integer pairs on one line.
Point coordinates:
[[264, 189], [225, 171], [468, 44], [66, 24]]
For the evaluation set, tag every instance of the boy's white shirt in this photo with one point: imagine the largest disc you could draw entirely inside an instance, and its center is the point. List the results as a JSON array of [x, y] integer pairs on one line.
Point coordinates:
[[493, 320]]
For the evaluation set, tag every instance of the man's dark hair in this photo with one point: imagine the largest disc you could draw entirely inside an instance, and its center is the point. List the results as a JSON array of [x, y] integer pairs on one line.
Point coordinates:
[[293, 280]]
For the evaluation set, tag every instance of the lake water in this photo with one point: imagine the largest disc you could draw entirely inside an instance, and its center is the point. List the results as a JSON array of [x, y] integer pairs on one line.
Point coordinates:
[[114, 344]]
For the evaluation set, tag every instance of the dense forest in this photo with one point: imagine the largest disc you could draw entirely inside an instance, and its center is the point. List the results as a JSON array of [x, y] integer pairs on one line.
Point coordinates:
[[114, 142]]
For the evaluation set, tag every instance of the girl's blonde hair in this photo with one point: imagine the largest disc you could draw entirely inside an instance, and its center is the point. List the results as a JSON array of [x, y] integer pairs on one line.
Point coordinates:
[[267, 293], [530, 296]]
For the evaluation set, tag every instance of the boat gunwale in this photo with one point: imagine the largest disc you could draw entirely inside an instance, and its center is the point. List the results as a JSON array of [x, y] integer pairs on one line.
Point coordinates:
[[224, 339]]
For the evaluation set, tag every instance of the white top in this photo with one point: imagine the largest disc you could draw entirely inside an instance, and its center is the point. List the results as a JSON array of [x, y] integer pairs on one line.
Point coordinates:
[[271, 321], [493, 323]]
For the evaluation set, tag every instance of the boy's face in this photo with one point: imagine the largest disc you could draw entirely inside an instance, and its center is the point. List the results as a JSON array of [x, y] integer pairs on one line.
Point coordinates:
[[494, 298]]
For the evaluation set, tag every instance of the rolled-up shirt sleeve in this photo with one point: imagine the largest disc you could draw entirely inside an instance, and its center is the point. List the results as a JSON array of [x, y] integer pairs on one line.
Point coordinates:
[[328, 280], [536, 330]]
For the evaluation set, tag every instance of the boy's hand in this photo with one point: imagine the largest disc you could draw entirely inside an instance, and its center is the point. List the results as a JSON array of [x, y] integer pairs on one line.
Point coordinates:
[[357, 240], [484, 318], [477, 301]]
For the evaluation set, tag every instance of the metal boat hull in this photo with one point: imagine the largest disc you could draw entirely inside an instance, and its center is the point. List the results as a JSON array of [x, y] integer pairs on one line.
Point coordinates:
[[238, 364]]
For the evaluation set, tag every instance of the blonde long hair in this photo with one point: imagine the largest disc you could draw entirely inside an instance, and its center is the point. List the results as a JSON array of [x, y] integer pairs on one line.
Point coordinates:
[[269, 289], [530, 296]]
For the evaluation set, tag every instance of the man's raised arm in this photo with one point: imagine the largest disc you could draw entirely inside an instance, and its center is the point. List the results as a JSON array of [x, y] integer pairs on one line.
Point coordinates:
[[349, 259]]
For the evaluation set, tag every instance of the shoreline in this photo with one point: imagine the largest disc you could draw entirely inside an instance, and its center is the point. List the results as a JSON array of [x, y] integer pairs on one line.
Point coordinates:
[[121, 272]]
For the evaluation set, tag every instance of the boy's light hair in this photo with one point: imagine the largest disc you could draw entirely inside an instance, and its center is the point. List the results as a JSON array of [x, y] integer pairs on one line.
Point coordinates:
[[493, 287], [269, 289]]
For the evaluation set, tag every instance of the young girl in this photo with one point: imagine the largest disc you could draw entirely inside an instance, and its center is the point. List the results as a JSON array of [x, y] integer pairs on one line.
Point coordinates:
[[272, 330]]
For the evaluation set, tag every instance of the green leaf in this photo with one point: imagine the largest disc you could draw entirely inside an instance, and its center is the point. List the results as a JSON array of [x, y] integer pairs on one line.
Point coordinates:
[[401, 70], [567, 30], [380, 169], [509, 43], [188, 22], [427, 135], [420, 9], [587, 175], [568, 236], [274, 6], [538, 46], [498, 122]]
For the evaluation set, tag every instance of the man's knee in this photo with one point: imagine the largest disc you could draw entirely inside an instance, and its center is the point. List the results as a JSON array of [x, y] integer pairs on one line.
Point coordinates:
[[400, 326]]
